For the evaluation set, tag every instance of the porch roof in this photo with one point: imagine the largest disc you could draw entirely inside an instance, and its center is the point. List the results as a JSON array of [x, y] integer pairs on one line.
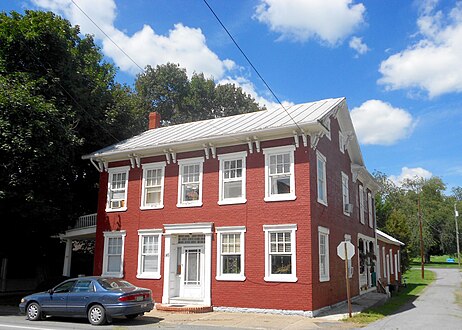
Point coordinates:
[[387, 238]]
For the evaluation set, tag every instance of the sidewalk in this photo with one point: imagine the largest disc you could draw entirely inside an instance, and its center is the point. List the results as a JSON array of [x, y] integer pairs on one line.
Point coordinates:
[[328, 319]]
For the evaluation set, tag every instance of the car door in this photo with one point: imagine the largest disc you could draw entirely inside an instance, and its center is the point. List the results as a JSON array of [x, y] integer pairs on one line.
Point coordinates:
[[79, 297], [55, 303]]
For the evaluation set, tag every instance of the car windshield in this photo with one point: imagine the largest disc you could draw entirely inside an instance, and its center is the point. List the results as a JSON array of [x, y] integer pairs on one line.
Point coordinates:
[[113, 283]]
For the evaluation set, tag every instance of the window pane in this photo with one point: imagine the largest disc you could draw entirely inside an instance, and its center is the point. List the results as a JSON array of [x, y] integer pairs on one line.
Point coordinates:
[[232, 189], [150, 263], [113, 263], [190, 192], [232, 264], [281, 264]]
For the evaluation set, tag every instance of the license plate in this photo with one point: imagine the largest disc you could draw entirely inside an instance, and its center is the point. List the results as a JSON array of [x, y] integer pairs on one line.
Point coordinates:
[[139, 298]]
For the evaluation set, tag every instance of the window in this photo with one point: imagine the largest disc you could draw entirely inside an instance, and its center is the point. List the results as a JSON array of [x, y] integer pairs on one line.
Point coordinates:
[[83, 286], [280, 258], [117, 189], [152, 196], [232, 178], [321, 172], [361, 204], [323, 254], [341, 142], [230, 253], [346, 195], [391, 262], [384, 262], [279, 173], [369, 209], [65, 287], [149, 253], [190, 182], [113, 253]]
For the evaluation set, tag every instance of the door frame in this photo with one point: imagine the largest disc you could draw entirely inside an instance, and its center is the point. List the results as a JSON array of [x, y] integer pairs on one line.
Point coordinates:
[[171, 231]]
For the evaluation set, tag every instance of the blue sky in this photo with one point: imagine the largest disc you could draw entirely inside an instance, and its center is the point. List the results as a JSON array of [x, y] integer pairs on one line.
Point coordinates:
[[398, 63]]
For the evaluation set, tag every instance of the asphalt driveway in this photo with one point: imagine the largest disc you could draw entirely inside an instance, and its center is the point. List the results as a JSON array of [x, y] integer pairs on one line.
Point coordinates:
[[435, 308]]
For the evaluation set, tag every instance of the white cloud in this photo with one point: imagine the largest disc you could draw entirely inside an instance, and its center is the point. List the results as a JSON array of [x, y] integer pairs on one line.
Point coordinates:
[[431, 64], [301, 20], [358, 45], [249, 88], [184, 45], [378, 122], [410, 174]]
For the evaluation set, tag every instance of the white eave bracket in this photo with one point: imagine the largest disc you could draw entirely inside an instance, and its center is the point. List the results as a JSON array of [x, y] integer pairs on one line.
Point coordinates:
[[251, 141], [209, 149], [315, 137], [170, 156], [98, 164], [135, 160]]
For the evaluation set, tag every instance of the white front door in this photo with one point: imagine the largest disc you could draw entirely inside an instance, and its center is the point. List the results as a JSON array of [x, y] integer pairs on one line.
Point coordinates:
[[192, 272]]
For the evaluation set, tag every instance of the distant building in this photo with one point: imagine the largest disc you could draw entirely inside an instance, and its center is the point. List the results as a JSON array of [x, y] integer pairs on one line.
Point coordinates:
[[241, 212]]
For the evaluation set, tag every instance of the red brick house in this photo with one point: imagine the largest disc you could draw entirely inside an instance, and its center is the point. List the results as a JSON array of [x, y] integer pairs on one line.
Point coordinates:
[[389, 260], [242, 212]]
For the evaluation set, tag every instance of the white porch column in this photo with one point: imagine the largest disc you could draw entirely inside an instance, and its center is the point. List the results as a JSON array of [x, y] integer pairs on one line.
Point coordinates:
[[165, 293], [208, 270], [67, 258]]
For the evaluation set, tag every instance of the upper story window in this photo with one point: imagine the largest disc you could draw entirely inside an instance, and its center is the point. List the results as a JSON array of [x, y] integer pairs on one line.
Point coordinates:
[[327, 124], [341, 142], [346, 195], [280, 257], [149, 253], [117, 189], [361, 204], [370, 209], [190, 182], [152, 196], [279, 173], [232, 178], [321, 178], [113, 253], [323, 240], [230, 253]]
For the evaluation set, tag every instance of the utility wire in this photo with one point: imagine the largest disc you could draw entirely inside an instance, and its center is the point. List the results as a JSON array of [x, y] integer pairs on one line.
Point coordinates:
[[107, 36], [250, 63]]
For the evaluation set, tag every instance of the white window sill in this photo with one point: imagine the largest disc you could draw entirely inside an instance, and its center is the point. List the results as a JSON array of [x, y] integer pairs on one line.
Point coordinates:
[[232, 201], [347, 214], [156, 207], [324, 279], [280, 198], [189, 204], [239, 278], [281, 278], [320, 201], [122, 209], [116, 275], [148, 276]]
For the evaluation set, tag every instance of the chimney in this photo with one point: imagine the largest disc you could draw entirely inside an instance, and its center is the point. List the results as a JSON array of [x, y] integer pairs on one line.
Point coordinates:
[[154, 120]]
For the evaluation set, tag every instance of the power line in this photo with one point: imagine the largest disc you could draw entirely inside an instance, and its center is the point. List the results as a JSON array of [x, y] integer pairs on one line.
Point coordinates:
[[107, 36], [250, 63]]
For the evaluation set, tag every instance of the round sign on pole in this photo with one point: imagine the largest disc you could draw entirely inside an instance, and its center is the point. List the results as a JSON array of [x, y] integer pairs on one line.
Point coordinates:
[[350, 250]]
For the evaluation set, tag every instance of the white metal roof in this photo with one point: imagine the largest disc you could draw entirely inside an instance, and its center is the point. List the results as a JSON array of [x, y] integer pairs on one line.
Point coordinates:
[[387, 238], [304, 115]]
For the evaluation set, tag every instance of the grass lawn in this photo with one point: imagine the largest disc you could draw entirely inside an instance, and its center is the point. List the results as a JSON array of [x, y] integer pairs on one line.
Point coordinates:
[[436, 262], [414, 287]]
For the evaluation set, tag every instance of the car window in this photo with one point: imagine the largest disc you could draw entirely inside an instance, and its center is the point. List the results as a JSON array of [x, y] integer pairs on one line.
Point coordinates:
[[113, 283], [83, 286], [64, 287]]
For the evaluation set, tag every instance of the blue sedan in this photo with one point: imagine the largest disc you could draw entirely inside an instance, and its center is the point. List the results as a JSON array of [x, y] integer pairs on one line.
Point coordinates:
[[97, 298]]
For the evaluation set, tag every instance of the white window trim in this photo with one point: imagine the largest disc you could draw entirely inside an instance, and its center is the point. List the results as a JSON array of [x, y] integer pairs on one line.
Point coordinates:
[[111, 171], [341, 142], [399, 261], [345, 177], [113, 234], [361, 204], [141, 234], [242, 155], [327, 124], [275, 151], [280, 277], [324, 159], [391, 262], [190, 161], [152, 166], [384, 262], [230, 230], [369, 210], [396, 266], [324, 231]]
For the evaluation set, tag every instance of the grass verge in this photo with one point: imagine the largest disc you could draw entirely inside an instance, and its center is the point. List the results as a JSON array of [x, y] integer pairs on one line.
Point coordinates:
[[414, 287], [436, 262]]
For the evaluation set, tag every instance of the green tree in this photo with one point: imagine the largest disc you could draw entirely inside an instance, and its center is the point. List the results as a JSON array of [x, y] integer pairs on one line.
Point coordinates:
[[167, 90], [58, 101]]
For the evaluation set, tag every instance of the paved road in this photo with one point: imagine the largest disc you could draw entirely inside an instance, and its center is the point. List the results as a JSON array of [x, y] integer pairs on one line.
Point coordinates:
[[436, 308]]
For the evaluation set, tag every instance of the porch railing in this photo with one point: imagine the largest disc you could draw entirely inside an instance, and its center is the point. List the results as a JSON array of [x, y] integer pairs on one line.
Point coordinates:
[[88, 220]]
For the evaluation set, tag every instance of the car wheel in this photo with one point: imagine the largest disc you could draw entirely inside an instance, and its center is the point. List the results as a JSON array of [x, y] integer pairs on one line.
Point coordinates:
[[34, 312], [132, 316], [97, 315]]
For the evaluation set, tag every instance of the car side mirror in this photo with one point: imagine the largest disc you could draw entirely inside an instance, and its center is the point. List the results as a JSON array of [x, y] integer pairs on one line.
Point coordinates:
[[50, 291]]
